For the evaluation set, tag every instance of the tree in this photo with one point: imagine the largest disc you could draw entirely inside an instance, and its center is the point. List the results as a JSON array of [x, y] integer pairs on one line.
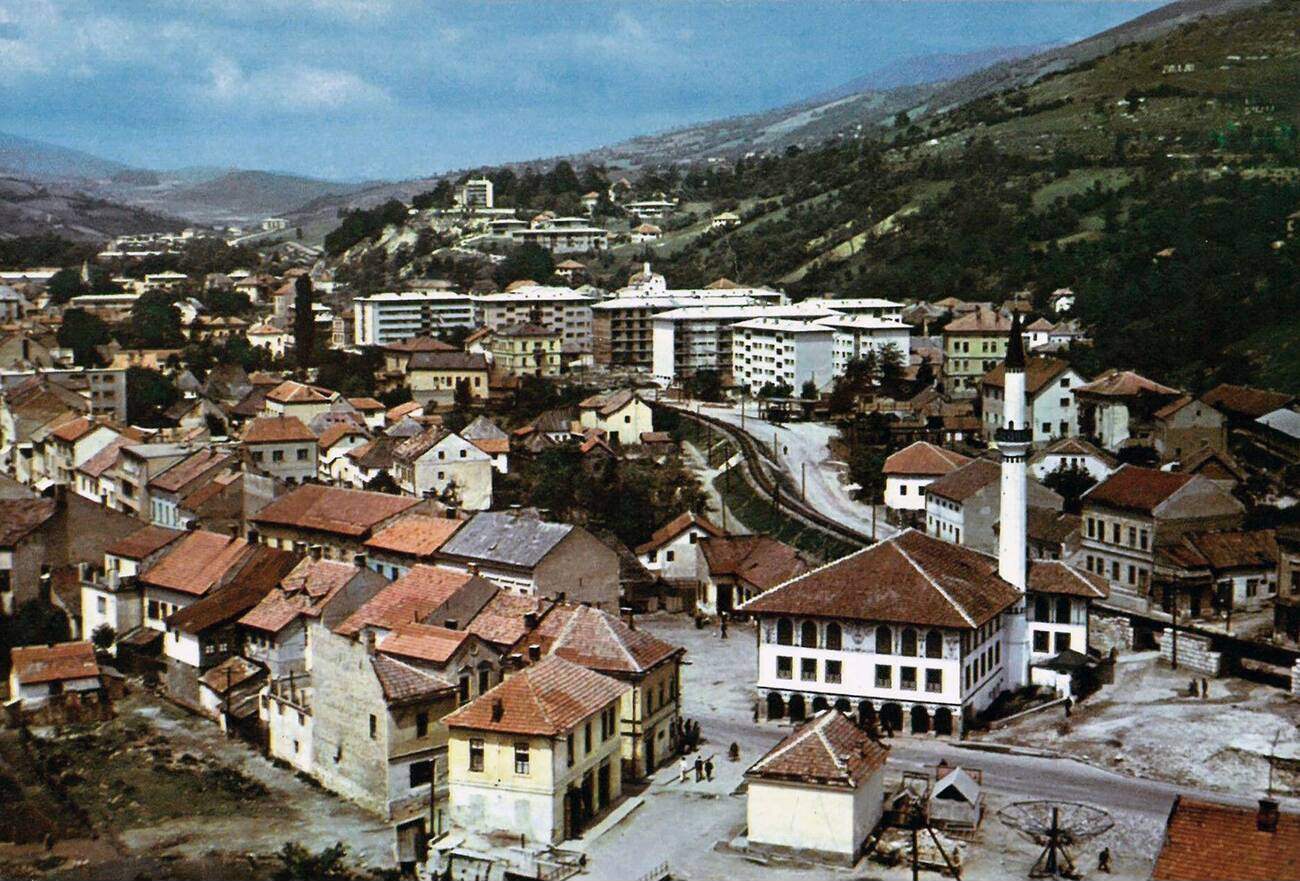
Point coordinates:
[[891, 363], [81, 332], [64, 285], [901, 119], [155, 322], [304, 322], [528, 261], [1069, 483], [705, 385], [148, 395], [776, 390], [867, 470], [34, 622], [103, 637], [462, 398], [809, 391], [925, 373], [299, 864]]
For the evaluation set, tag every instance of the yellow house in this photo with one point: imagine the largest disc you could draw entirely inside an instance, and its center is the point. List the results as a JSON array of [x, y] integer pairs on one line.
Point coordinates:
[[973, 345], [526, 349], [602, 642], [433, 376], [538, 755]]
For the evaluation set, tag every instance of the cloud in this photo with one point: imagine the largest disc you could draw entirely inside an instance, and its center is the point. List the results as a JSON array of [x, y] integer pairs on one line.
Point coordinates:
[[291, 88]]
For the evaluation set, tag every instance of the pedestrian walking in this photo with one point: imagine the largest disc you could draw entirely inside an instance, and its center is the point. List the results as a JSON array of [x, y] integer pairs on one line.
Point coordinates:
[[699, 769], [1103, 860], [1205, 688], [684, 768], [708, 768], [722, 624]]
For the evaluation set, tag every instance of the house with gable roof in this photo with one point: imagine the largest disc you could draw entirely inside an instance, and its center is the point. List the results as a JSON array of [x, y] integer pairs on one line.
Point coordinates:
[[623, 415], [670, 552], [910, 470], [441, 463]]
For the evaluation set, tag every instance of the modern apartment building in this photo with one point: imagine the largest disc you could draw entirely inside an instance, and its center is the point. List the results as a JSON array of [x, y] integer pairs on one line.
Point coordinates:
[[389, 317], [565, 311], [781, 351]]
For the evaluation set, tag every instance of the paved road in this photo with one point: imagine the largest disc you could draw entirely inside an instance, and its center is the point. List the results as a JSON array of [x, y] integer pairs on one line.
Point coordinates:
[[803, 450]]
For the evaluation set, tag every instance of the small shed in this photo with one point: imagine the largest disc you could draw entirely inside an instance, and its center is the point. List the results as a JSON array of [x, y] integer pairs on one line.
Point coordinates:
[[956, 798], [1070, 674]]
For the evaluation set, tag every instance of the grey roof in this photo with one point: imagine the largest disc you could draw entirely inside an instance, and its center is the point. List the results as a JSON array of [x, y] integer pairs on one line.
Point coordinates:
[[483, 428], [1283, 420], [501, 537], [408, 427], [161, 450]]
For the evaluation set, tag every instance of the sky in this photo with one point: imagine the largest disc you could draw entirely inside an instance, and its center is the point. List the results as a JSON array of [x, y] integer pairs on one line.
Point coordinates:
[[369, 89]]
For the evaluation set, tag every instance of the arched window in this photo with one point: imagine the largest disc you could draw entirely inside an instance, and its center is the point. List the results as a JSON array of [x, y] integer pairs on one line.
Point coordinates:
[[884, 640], [784, 632], [1062, 610], [909, 643], [834, 637], [934, 644], [1042, 607], [808, 634]]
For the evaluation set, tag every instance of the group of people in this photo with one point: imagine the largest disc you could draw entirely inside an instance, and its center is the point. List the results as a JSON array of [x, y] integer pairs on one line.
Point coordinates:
[[703, 768], [686, 734]]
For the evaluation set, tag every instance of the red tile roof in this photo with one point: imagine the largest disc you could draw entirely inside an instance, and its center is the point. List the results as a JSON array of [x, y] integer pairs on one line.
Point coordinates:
[[960, 485], [493, 445], [1206, 841], [105, 458], [230, 674], [501, 620], [290, 392], [423, 642], [759, 560], [1242, 400], [53, 663], [1039, 371], [366, 404], [1137, 489], [189, 469], [1055, 577], [1123, 384], [302, 592], [197, 562], [549, 698], [419, 344], [347, 512], [256, 578], [403, 683], [277, 429], [417, 535], [1255, 549], [143, 542], [74, 430], [980, 320], [408, 599], [597, 640], [911, 578], [21, 517], [923, 459], [676, 527], [828, 750], [338, 432]]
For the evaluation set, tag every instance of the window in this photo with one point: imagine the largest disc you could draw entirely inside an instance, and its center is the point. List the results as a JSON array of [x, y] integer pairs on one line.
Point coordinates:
[[277, 455], [909, 643], [668, 555], [153, 606], [907, 678], [421, 724], [884, 676], [834, 636], [1114, 533], [1062, 642], [1091, 524], [374, 726], [421, 773], [257, 455], [302, 454], [101, 604], [884, 640], [934, 681], [586, 740], [1042, 608], [1040, 641], [568, 743], [1142, 539], [902, 489], [784, 632], [808, 635], [1047, 428], [1132, 574], [784, 667], [1062, 610], [1114, 570], [462, 690], [521, 757], [934, 644], [476, 754], [808, 669], [834, 671]]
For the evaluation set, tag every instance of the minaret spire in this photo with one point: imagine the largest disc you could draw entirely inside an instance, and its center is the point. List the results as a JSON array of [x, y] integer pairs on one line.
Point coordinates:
[[1013, 440]]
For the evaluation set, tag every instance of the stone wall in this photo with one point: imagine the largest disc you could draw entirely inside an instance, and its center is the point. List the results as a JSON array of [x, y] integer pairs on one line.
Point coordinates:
[[1110, 631], [1194, 653]]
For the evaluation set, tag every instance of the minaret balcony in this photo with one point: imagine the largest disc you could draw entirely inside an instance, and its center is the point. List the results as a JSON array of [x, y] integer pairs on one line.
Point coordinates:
[[1013, 436]]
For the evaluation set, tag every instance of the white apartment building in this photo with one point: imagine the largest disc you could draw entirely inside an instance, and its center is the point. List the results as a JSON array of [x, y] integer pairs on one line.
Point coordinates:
[[782, 350], [476, 193], [563, 238], [562, 310], [869, 307], [694, 338], [390, 317], [857, 333]]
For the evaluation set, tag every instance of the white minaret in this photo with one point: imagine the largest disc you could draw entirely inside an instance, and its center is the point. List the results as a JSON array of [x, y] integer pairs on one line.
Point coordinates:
[[1013, 440]]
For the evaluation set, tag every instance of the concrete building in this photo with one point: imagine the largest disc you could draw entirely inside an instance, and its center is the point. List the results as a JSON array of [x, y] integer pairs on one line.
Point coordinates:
[[778, 351], [477, 192], [818, 794], [565, 311], [443, 464], [537, 756], [434, 376], [857, 333], [563, 238], [703, 337], [532, 557], [972, 346], [381, 319], [1049, 384], [527, 350]]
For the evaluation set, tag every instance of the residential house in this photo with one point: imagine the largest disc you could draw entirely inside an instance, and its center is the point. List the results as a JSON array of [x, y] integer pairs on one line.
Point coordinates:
[[599, 641], [442, 464], [1072, 453], [269, 337], [491, 439], [1136, 511], [911, 626], [1286, 605], [670, 552], [1058, 605], [25, 525], [409, 541], [40, 674], [623, 415], [332, 448], [1217, 573], [111, 595], [1241, 405], [1049, 385], [533, 557], [738, 568], [291, 398], [72, 443], [973, 344], [370, 410], [818, 794], [910, 470], [1187, 424], [96, 478], [962, 506], [168, 489], [1119, 408], [137, 466], [339, 520], [283, 447], [537, 756], [1211, 841], [188, 569], [526, 349], [434, 376], [365, 463], [1217, 465]]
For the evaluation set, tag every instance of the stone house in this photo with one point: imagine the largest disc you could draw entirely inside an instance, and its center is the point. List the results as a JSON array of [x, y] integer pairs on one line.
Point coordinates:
[[24, 540], [339, 520], [962, 506], [283, 447], [537, 756], [441, 463], [1187, 425], [1217, 573]]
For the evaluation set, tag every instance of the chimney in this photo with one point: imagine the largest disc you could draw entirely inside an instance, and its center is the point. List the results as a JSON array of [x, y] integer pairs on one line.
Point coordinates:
[[370, 642], [530, 620], [300, 547], [317, 551], [515, 661], [359, 560], [498, 710], [1266, 819], [471, 568], [534, 652], [630, 616], [452, 624]]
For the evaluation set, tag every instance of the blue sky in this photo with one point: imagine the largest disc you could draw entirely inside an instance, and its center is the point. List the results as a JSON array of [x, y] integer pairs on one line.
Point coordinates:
[[397, 88]]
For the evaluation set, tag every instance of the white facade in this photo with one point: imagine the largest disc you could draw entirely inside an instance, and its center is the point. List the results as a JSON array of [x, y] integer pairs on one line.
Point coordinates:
[[477, 192], [563, 239], [677, 559], [775, 350], [386, 318], [1052, 411], [1044, 463], [562, 310], [907, 492], [831, 821], [856, 334], [1056, 623], [702, 337], [453, 464]]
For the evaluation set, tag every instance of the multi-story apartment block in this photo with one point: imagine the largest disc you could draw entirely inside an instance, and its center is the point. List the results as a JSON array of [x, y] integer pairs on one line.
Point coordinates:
[[386, 318], [857, 333], [700, 337], [565, 311], [972, 346], [477, 192], [776, 351]]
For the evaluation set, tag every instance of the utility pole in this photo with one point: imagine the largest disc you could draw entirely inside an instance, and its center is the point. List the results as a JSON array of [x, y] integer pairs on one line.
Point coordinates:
[[803, 481], [1173, 627]]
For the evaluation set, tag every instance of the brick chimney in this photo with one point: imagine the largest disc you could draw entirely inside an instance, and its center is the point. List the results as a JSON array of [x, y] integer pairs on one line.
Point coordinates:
[[1266, 818], [534, 652]]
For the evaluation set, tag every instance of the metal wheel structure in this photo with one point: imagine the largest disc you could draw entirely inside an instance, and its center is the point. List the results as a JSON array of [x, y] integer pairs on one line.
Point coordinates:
[[1058, 827]]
